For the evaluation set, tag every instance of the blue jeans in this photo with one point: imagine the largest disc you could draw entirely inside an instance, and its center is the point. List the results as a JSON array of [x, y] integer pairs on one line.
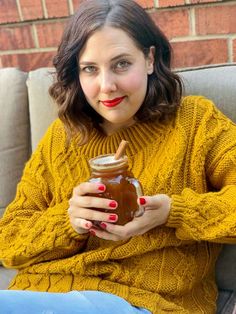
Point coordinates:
[[74, 302]]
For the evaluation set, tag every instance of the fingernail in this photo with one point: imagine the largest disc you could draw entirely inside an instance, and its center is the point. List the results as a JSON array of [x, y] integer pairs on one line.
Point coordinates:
[[101, 188], [113, 217], [142, 201], [103, 225], [88, 225], [92, 232], [113, 204]]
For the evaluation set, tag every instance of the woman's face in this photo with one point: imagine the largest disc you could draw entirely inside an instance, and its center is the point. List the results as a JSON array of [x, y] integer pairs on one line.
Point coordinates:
[[113, 74]]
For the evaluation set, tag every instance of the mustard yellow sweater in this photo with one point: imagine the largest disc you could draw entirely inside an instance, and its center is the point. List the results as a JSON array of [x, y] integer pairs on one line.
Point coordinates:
[[192, 158]]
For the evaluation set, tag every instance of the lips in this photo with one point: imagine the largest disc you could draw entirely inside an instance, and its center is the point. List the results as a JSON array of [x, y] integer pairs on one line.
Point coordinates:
[[113, 102]]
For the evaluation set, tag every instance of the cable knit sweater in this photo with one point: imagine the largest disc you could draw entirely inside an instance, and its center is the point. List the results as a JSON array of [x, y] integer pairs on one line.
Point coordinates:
[[191, 157]]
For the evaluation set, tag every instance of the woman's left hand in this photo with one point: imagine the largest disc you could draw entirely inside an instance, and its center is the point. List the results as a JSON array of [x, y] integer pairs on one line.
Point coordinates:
[[156, 213]]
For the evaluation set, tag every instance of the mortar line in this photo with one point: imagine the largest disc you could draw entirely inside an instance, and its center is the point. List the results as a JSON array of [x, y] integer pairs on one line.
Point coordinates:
[[192, 21], [19, 10], [156, 3], [25, 51], [35, 36], [71, 7], [45, 11]]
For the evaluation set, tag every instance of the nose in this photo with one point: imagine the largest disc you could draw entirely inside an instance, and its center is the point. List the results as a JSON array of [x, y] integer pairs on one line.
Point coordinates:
[[107, 82]]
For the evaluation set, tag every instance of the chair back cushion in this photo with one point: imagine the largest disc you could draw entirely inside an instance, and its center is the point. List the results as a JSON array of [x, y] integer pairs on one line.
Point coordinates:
[[14, 132], [42, 110]]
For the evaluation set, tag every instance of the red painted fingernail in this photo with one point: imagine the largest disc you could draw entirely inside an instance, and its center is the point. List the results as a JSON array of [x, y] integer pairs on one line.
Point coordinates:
[[113, 217], [142, 201], [113, 204], [103, 225], [101, 188], [92, 232]]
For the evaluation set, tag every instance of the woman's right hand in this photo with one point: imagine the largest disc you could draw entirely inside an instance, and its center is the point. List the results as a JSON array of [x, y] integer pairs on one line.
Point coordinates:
[[82, 210]]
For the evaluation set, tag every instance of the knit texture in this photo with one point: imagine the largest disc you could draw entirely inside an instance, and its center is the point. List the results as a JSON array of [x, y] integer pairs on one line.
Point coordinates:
[[191, 157]]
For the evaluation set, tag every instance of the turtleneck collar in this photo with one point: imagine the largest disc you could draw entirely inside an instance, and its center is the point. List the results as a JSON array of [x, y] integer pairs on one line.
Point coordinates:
[[138, 135]]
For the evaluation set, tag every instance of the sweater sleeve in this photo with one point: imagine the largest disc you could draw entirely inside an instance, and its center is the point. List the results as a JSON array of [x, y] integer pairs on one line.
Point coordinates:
[[36, 228], [210, 216]]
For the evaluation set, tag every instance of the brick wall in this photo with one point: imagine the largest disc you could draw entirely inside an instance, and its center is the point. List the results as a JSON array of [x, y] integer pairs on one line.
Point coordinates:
[[202, 32]]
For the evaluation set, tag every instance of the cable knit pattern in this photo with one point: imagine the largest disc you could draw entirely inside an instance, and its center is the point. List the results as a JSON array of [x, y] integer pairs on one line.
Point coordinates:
[[192, 158]]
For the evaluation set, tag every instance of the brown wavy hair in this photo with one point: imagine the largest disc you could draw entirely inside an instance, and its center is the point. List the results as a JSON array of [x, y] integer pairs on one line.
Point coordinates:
[[164, 88]]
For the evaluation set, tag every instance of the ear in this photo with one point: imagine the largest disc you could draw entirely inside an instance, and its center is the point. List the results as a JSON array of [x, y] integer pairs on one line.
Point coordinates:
[[151, 60]]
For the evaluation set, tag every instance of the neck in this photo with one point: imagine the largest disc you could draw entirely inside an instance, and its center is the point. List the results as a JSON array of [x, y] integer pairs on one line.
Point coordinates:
[[111, 128]]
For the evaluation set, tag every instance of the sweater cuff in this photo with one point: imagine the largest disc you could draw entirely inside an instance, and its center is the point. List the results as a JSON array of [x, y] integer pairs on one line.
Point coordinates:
[[177, 211], [67, 229], [72, 233]]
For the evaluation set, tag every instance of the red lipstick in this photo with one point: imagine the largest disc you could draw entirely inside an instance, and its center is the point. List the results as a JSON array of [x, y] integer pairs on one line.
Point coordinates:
[[113, 102]]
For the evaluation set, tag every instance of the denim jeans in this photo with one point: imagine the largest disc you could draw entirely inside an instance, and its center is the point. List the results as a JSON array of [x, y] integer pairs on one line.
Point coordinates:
[[74, 302]]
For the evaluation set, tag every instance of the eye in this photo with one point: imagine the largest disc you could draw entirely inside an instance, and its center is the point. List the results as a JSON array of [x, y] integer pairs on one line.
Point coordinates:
[[122, 65], [88, 69]]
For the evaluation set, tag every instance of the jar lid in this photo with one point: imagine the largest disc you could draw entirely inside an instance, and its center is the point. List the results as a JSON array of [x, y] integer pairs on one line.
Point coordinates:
[[107, 162]]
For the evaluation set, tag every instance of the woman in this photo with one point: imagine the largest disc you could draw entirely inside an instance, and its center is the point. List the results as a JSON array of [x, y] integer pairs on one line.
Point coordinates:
[[114, 82]]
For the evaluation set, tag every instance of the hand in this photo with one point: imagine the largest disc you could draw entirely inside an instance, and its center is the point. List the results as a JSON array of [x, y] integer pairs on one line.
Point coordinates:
[[82, 210], [157, 209]]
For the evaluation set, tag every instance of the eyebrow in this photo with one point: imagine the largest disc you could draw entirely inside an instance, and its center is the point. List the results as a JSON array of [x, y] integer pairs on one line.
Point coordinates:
[[122, 55]]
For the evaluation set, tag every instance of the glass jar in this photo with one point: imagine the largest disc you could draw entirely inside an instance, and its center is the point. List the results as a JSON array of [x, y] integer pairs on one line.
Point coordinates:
[[121, 186]]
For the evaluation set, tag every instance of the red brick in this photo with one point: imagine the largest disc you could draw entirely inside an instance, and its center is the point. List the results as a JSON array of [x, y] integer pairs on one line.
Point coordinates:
[[8, 11], [16, 38], [234, 50], [76, 4], [49, 34], [57, 8], [200, 52], [170, 3], [216, 20], [146, 3], [173, 23], [31, 9], [28, 61]]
